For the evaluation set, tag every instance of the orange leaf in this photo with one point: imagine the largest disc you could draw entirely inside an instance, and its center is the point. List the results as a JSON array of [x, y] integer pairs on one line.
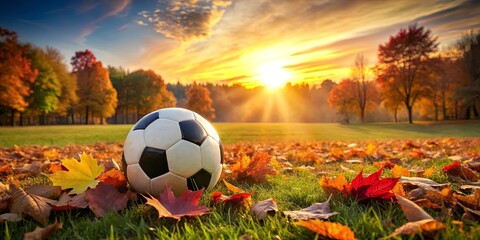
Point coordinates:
[[333, 186], [114, 177], [328, 229], [232, 187], [253, 169], [398, 189], [429, 172], [55, 167], [239, 199], [456, 169], [399, 171], [43, 233]]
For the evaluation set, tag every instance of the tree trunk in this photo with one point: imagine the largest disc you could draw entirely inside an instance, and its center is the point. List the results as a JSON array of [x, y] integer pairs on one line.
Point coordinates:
[[395, 115], [363, 115], [444, 109], [73, 117], [21, 118], [409, 109], [12, 118], [435, 107]]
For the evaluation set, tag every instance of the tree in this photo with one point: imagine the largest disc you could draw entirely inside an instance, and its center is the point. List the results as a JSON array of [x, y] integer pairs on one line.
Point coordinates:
[[16, 74], [343, 98], [149, 92], [366, 93], [95, 90], [469, 48], [68, 97], [401, 60], [47, 87], [198, 100]]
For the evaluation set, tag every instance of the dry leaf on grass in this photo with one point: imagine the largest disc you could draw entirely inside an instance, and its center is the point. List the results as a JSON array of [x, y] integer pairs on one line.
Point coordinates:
[[399, 171], [170, 206], [329, 230], [315, 211], [80, 176], [114, 177], [43, 233], [46, 191], [456, 169], [333, 186], [264, 208], [10, 217], [29, 204], [232, 187], [253, 169], [420, 182], [419, 220], [105, 198], [236, 200], [67, 202]]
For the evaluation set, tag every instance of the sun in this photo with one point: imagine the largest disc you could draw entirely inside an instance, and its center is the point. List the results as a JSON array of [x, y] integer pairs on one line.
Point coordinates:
[[272, 75]]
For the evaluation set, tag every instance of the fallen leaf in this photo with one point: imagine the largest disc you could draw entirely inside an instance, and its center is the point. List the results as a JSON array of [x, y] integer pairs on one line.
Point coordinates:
[[346, 169], [43, 233], [170, 206], [411, 210], [253, 169], [29, 204], [5, 169], [236, 200], [10, 217], [315, 211], [32, 169], [429, 172], [55, 167], [114, 177], [105, 198], [333, 186], [420, 182], [372, 187], [46, 191], [232, 187], [265, 207], [386, 164], [399, 171], [67, 202], [457, 169], [51, 154], [471, 201], [398, 189], [329, 230], [426, 226], [80, 175]]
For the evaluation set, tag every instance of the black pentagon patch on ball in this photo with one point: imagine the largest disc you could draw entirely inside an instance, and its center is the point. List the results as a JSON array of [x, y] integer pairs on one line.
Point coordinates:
[[199, 180], [192, 131], [154, 162], [145, 121]]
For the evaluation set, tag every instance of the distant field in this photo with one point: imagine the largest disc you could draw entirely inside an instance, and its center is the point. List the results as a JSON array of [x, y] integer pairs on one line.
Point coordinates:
[[242, 132]]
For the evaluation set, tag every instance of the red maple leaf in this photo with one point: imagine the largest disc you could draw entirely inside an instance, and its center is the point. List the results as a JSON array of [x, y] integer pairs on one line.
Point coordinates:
[[372, 187], [104, 198], [239, 198], [170, 206]]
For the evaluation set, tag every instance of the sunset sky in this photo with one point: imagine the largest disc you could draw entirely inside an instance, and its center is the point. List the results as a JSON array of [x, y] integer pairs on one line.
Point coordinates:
[[238, 41]]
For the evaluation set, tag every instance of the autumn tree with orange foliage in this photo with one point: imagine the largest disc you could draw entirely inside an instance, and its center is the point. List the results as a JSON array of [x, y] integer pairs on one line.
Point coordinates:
[[402, 60], [95, 90], [199, 100], [343, 98], [16, 74]]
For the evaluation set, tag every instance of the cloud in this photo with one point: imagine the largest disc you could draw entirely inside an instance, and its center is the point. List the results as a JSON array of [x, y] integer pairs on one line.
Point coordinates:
[[185, 20]]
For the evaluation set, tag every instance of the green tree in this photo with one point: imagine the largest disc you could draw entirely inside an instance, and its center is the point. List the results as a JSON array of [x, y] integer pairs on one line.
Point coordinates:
[[401, 61], [198, 100], [68, 98], [47, 87], [16, 74]]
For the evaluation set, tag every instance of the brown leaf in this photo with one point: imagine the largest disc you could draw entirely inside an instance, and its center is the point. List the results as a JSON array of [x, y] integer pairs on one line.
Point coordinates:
[[411, 210], [471, 201], [329, 230], [170, 206], [10, 217], [31, 169], [46, 191], [425, 226], [253, 169], [420, 182], [456, 169], [29, 204], [264, 208], [105, 198], [67, 202], [315, 211], [43, 233]]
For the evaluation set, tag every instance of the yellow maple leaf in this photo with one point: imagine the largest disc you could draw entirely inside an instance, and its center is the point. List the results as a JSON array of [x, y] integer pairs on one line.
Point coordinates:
[[399, 171], [429, 172], [80, 175]]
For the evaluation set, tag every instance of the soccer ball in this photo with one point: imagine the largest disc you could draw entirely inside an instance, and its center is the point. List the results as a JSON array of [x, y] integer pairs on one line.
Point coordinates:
[[174, 147]]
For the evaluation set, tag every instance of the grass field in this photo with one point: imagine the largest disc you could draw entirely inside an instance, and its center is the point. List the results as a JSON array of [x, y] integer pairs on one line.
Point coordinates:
[[242, 132], [292, 190]]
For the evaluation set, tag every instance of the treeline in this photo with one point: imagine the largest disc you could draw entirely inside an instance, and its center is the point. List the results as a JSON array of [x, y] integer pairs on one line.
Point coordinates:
[[412, 80]]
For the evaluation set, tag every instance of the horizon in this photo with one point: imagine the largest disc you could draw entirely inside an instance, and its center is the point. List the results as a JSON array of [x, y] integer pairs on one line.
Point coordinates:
[[261, 43]]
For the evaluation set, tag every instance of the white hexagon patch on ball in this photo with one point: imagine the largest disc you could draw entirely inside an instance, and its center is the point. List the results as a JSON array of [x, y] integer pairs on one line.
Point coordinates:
[[174, 147]]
